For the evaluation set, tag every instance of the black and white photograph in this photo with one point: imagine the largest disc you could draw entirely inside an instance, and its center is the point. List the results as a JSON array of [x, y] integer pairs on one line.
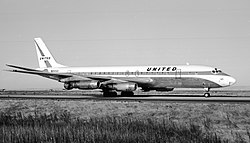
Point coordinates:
[[127, 71]]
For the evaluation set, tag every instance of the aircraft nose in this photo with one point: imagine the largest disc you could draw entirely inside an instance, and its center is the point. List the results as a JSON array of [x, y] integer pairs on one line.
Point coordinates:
[[227, 81], [231, 80]]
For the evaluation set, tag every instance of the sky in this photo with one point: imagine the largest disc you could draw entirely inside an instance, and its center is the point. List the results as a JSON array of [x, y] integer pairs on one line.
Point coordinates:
[[124, 32]]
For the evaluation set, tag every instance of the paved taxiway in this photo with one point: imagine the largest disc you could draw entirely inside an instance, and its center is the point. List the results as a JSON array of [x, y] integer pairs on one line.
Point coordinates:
[[233, 99]]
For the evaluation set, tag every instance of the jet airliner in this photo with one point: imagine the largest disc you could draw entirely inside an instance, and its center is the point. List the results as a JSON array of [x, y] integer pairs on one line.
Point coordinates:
[[126, 79]]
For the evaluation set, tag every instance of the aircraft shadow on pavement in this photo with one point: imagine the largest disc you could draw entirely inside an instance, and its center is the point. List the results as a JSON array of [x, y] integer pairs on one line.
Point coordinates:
[[169, 95]]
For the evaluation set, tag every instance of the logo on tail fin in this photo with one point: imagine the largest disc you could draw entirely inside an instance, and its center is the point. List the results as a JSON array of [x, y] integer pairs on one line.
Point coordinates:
[[43, 57]]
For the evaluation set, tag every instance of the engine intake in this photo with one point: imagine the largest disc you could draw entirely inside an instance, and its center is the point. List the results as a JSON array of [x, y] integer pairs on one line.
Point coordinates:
[[82, 85], [127, 86]]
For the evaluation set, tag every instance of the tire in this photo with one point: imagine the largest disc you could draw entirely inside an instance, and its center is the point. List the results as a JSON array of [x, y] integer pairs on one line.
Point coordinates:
[[127, 93], [207, 95]]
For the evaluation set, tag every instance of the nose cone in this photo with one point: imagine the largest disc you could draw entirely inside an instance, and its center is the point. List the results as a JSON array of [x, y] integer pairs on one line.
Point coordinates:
[[226, 81], [231, 81]]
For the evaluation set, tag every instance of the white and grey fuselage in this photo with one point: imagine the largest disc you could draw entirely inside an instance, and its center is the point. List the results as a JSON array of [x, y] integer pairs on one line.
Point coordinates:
[[156, 77]]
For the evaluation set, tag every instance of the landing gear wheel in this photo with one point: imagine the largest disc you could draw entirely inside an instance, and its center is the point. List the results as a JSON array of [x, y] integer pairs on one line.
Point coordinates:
[[207, 95], [127, 93]]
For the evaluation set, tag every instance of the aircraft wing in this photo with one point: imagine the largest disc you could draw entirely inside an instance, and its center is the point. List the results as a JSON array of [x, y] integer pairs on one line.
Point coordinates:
[[105, 80]]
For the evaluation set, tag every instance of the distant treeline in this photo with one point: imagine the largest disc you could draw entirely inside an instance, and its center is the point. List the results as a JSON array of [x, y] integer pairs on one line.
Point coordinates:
[[62, 128]]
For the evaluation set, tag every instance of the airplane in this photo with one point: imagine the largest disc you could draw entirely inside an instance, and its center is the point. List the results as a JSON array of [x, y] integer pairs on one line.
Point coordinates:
[[126, 79]]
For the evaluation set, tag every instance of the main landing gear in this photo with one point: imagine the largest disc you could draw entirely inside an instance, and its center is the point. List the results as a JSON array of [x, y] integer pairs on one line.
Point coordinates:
[[127, 93], [207, 94]]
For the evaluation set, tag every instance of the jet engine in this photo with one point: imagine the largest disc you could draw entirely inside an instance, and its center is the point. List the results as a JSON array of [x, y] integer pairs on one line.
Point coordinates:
[[127, 86], [82, 85]]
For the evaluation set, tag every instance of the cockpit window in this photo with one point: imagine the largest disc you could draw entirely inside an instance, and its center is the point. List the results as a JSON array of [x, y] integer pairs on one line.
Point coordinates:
[[216, 71]]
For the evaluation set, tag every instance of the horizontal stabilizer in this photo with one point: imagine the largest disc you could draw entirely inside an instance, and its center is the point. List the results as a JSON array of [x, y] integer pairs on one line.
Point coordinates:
[[55, 76], [19, 67]]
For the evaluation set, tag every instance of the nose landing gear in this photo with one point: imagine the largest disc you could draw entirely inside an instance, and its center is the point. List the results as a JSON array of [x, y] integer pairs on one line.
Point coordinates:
[[207, 94]]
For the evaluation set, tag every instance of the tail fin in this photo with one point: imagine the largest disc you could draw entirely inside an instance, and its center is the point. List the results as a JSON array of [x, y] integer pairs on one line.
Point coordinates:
[[45, 59]]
